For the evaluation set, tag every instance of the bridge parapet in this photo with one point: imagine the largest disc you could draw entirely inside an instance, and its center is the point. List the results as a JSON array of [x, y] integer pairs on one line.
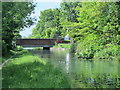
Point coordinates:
[[36, 42]]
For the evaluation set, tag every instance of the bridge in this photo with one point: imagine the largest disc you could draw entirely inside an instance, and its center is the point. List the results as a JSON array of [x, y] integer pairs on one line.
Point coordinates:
[[45, 43]]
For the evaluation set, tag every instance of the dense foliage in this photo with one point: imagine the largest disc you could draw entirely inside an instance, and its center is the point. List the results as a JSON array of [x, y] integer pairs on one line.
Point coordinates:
[[56, 22], [15, 16], [100, 30], [94, 26], [49, 24]]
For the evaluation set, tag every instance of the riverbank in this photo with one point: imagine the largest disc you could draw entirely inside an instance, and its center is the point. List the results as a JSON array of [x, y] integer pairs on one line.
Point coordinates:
[[58, 69], [29, 71], [82, 73], [95, 52], [109, 52], [66, 46]]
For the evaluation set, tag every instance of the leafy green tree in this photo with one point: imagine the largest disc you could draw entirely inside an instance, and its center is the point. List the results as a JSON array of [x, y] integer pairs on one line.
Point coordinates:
[[56, 22], [101, 20], [49, 25], [15, 16], [68, 18], [94, 26]]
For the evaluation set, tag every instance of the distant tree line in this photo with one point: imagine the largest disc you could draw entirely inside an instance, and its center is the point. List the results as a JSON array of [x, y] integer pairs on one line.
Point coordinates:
[[94, 26]]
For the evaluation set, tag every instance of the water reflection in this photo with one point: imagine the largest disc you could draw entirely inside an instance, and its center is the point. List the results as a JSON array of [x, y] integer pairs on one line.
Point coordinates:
[[42, 53], [83, 73], [67, 62]]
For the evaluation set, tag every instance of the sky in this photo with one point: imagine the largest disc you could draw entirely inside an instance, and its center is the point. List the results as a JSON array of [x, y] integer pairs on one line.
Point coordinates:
[[40, 6]]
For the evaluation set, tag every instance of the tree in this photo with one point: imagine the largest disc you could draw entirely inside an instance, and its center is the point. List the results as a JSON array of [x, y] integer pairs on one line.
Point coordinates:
[[99, 27], [49, 25], [69, 17], [15, 16], [95, 26]]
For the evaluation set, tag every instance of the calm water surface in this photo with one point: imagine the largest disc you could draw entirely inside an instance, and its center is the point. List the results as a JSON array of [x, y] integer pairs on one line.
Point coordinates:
[[83, 73]]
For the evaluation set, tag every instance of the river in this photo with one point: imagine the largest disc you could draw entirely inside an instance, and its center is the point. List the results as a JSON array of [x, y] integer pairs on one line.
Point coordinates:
[[83, 73]]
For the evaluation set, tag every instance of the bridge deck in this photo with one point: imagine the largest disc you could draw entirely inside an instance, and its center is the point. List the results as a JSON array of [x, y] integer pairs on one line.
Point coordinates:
[[36, 42]]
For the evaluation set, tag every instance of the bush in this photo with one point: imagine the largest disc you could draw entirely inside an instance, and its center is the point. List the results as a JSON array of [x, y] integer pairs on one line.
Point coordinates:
[[108, 53], [87, 46], [87, 54], [19, 48], [4, 48], [73, 47]]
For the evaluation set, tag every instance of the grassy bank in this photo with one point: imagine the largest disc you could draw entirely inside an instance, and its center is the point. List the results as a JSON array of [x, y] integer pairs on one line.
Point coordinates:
[[29, 71], [66, 46]]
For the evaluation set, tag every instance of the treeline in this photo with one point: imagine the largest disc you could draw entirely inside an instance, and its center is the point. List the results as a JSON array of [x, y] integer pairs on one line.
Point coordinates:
[[56, 22], [15, 16], [94, 26]]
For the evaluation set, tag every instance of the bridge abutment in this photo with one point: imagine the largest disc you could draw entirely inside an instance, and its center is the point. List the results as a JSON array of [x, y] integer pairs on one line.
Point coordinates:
[[46, 48]]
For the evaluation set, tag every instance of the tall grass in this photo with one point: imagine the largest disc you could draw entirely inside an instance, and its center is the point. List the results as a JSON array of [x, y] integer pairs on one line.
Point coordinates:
[[29, 71]]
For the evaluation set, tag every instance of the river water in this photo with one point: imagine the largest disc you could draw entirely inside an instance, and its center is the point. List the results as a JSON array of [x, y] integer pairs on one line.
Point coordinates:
[[83, 73]]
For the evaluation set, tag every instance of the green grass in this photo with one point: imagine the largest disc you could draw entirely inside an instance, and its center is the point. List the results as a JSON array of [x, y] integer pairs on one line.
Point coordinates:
[[29, 71], [66, 46], [38, 48]]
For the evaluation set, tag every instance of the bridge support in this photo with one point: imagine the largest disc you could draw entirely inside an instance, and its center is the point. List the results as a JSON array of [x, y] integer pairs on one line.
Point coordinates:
[[46, 48]]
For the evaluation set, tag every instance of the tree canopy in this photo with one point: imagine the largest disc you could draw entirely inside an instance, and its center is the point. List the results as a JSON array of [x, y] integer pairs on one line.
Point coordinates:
[[15, 16], [95, 26]]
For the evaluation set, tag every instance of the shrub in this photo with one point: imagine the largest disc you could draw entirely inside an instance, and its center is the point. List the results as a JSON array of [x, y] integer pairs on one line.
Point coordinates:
[[4, 48], [108, 53], [19, 48]]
